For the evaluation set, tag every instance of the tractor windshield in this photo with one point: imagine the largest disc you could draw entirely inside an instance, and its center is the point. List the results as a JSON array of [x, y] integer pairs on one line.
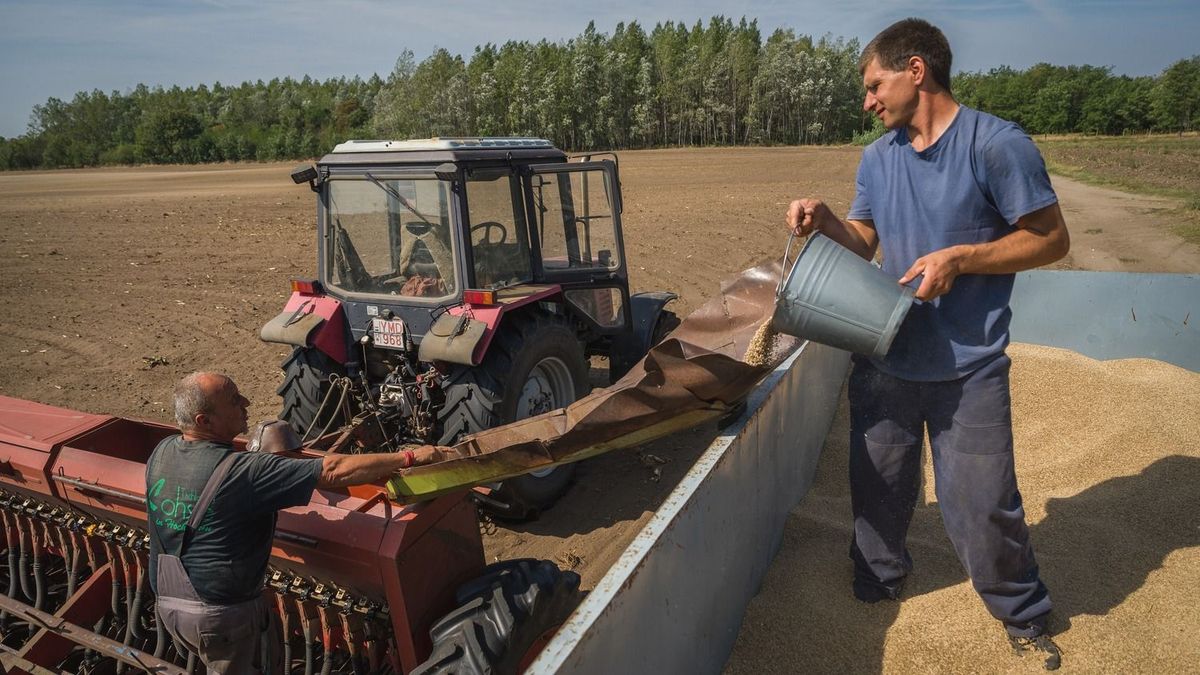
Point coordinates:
[[390, 236]]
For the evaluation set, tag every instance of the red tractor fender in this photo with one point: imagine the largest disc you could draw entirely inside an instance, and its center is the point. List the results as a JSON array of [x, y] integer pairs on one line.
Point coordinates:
[[307, 319], [490, 315]]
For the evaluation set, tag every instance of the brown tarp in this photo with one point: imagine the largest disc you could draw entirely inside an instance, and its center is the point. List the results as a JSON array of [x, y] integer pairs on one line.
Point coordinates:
[[697, 373]]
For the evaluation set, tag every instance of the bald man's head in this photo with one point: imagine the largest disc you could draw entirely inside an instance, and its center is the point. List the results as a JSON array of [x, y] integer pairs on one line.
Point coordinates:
[[209, 405]]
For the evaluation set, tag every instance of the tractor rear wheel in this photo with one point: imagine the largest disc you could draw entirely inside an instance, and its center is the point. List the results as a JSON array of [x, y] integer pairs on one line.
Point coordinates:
[[503, 620], [305, 386], [535, 364]]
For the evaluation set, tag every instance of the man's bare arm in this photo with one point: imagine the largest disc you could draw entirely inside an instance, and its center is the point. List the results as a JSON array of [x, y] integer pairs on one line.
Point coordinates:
[[1041, 238], [338, 470], [806, 215]]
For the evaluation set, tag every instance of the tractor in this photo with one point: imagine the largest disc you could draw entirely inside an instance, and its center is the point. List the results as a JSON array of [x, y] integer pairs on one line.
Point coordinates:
[[462, 283]]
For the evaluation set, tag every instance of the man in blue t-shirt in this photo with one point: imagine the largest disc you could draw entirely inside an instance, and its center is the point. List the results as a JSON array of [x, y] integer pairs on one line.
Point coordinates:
[[212, 511], [959, 200]]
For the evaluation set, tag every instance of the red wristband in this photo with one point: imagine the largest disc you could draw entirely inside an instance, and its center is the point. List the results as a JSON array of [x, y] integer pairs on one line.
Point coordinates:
[[409, 459]]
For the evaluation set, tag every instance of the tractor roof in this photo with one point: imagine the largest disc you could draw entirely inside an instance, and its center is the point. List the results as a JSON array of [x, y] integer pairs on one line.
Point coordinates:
[[426, 150]]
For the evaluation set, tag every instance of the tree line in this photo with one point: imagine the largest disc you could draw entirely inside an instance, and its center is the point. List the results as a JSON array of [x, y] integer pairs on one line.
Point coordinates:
[[718, 83]]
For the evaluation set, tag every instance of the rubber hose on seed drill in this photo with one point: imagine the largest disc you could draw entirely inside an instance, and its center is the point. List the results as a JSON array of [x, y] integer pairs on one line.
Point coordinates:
[[10, 535], [73, 575], [23, 569], [352, 644], [39, 576], [129, 589], [64, 550], [131, 583], [39, 583], [135, 609], [117, 586], [326, 642], [12, 578], [308, 646], [285, 624]]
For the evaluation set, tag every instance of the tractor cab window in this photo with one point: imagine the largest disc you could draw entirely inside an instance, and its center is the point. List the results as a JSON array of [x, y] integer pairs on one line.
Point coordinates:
[[576, 222], [390, 236], [499, 237]]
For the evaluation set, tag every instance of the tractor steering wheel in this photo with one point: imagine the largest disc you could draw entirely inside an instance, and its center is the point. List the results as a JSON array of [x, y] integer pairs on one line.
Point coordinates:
[[487, 226]]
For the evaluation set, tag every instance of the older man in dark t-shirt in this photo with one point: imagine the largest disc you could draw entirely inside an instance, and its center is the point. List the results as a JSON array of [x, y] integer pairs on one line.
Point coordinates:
[[961, 200], [212, 512]]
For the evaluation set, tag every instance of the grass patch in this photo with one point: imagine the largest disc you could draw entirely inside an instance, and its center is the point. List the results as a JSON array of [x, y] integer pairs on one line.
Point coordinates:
[[1165, 165], [1188, 225]]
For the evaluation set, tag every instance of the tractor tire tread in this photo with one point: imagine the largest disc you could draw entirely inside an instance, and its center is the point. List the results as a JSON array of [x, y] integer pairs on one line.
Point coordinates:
[[500, 617]]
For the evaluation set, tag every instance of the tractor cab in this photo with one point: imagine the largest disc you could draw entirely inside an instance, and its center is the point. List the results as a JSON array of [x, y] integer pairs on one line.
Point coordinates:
[[406, 227]]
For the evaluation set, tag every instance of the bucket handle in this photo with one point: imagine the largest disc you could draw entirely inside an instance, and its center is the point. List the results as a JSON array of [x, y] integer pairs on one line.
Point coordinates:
[[785, 273]]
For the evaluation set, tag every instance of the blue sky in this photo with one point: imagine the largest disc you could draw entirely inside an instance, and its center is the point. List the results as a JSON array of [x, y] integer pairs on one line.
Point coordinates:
[[56, 48]]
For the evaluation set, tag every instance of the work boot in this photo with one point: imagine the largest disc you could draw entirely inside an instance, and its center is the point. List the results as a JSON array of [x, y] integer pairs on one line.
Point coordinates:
[[872, 592], [1038, 643]]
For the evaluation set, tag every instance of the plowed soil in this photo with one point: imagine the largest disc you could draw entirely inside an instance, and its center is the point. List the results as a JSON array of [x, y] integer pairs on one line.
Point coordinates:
[[116, 282]]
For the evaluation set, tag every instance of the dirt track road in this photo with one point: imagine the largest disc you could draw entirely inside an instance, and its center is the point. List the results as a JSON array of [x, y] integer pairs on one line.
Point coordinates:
[[1115, 231]]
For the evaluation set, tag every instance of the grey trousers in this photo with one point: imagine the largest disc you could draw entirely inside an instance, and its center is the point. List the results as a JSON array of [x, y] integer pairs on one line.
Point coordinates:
[[229, 639], [970, 429]]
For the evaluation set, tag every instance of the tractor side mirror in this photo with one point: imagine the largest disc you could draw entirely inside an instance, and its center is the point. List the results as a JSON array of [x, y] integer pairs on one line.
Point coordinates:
[[305, 174]]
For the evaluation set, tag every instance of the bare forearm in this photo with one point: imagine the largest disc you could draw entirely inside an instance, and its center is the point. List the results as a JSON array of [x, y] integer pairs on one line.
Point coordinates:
[[339, 470], [1041, 240], [1022, 250]]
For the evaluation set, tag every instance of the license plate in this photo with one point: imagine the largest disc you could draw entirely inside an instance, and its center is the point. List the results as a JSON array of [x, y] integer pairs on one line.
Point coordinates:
[[388, 333]]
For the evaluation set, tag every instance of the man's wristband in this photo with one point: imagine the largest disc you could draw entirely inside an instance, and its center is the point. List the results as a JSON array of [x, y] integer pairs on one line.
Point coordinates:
[[409, 459]]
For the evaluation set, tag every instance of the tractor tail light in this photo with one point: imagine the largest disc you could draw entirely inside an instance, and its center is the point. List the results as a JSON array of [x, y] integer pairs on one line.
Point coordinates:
[[306, 286], [479, 297]]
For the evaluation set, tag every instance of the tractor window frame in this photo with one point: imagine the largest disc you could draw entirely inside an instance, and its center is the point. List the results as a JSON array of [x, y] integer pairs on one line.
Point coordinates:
[[519, 224], [453, 215], [538, 214]]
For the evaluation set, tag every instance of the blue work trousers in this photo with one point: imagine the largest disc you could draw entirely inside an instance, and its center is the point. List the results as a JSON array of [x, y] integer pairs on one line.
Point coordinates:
[[969, 421]]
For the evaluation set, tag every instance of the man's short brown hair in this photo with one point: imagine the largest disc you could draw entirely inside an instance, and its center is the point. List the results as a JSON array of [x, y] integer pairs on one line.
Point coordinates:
[[191, 399], [905, 39]]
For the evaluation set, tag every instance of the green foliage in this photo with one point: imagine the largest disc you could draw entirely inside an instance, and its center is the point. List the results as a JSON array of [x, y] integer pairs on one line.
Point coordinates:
[[1175, 97], [280, 119], [870, 135], [1049, 99], [714, 83]]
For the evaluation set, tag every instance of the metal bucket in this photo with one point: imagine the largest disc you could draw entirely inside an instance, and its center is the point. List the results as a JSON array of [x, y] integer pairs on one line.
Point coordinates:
[[834, 297]]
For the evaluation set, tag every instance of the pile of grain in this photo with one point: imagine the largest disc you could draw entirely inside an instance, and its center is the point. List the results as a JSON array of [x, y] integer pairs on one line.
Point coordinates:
[[1108, 460]]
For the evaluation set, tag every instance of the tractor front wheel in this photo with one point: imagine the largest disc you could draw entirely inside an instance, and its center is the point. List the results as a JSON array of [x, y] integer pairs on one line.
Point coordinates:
[[503, 620]]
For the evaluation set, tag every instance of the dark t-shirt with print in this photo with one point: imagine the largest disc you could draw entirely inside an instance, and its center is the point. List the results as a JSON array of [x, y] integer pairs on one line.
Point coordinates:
[[226, 558]]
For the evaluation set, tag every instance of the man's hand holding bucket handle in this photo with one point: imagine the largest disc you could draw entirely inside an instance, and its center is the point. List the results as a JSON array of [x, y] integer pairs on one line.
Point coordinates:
[[806, 215]]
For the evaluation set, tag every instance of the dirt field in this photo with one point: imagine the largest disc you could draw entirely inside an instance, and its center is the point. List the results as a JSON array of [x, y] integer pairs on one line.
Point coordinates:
[[116, 282]]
